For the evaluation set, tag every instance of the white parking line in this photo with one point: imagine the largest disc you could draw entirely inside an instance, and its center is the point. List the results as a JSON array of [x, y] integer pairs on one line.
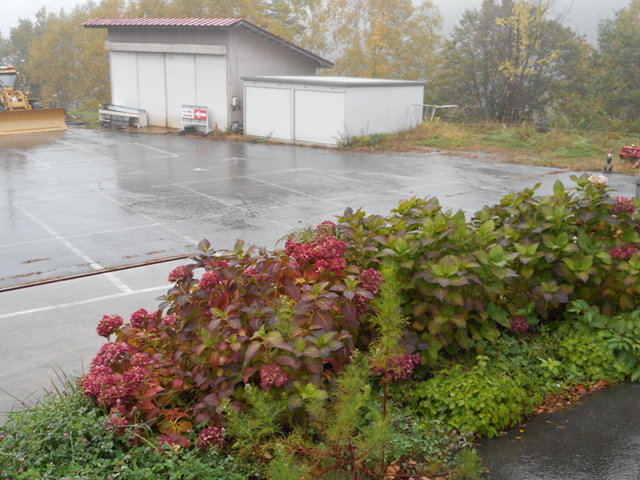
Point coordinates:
[[95, 265], [82, 235], [82, 149], [226, 179], [230, 205], [169, 154], [149, 218], [297, 192], [81, 302], [204, 195]]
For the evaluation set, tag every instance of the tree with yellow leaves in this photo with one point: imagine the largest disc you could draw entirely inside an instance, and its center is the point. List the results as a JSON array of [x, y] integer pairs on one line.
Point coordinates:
[[384, 38], [505, 58], [70, 62]]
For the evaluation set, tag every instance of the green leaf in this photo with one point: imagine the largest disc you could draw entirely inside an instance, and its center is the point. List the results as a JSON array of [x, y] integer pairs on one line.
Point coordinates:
[[446, 267], [204, 245], [558, 188]]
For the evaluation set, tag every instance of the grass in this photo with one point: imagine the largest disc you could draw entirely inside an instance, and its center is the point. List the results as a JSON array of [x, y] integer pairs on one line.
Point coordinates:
[[580, 151], [65, 436]]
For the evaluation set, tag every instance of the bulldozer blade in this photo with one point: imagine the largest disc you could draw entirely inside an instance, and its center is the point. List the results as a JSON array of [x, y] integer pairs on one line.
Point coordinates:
[[27, 121]]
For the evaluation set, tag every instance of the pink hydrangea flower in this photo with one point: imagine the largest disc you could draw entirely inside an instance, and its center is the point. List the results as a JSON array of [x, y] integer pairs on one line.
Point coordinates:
[[519, 324], [133, 378], [221, 264], [326, 252], [139, 318], [327, 228], [398, 368], [371, 280], [116, 421], [623, 205], [624, 252], [109, 324], [170, 320], [110, 388], [211, 436], [179, 273], [209, 279], [140, 359], [272, 376], [111, 354], [251, 272]]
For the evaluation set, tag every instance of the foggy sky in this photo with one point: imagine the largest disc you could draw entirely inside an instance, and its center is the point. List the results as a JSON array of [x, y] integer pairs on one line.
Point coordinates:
[[581, 15]]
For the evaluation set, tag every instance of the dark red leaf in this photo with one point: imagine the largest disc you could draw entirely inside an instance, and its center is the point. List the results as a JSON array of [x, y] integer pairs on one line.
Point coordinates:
[[292, 289], [251, 352], [211, 400], [314, 366], [248, 372], [322, 320], [287, 361], [350, 315]]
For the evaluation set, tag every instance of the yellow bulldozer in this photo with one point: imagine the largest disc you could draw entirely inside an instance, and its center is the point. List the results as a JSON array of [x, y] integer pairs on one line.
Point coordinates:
[[19, 114]]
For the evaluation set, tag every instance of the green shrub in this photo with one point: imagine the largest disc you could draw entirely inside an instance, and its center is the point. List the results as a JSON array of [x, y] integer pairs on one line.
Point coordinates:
[[585, 356], [531, 359], [523, 260], [480, 399], [622, 331]]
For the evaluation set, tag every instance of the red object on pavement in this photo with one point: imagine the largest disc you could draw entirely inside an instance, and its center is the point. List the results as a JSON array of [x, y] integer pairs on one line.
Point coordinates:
[[630, 153]]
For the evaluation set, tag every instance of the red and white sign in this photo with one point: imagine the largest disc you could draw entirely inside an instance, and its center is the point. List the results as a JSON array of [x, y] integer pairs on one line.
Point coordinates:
[[197, 113], [195, 116]]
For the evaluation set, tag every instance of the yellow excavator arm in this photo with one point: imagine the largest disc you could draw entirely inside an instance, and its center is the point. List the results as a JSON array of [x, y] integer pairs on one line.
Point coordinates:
[[12, 99], [16, 112]]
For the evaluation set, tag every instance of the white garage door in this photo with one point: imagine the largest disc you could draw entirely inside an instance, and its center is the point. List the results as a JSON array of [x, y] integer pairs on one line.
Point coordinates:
[[211, 87], [319, 116], [268, 112], [181, 85], [152, 88], [161, 83], [124, 79]]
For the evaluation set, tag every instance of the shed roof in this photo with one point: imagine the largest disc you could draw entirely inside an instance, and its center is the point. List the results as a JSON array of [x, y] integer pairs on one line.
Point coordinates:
[[335, 81], [162, 22]]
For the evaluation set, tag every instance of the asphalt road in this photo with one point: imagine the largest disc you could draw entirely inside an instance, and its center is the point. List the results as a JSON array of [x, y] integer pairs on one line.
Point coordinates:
[[86, 201]]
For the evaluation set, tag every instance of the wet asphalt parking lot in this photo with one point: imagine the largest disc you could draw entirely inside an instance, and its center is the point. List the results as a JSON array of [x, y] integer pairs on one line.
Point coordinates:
[[86, 201]]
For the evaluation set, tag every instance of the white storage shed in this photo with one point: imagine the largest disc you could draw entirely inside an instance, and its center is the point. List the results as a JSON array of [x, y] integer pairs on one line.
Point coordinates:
[[177, 68], [324, 110]]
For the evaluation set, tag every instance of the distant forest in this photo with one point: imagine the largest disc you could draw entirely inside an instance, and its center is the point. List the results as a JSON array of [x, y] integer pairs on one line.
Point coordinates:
[[507, 61]]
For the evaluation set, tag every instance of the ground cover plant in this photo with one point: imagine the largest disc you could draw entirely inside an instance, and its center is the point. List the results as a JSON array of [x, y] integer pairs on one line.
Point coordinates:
[[524, 143], [376, 346]]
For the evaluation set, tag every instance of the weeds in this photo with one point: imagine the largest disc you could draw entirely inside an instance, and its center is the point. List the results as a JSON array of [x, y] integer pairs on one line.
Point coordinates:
[[563, 148]]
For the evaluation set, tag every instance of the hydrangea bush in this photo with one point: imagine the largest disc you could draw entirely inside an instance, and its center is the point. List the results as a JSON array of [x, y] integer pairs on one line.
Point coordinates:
[[288, 321], [514, 265]]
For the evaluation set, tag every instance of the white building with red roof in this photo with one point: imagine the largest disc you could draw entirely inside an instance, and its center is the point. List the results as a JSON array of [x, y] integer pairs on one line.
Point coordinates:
[[161, 65]]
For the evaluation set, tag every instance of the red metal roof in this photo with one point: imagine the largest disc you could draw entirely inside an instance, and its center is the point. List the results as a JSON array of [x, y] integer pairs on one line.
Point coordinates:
[[201, 22], [161, 22]]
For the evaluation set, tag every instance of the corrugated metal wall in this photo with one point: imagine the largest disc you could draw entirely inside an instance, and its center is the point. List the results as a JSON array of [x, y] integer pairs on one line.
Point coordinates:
[[161, 83]]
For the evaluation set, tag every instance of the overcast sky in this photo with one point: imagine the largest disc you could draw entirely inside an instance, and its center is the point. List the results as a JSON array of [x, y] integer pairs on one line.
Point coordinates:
[[582, 15]]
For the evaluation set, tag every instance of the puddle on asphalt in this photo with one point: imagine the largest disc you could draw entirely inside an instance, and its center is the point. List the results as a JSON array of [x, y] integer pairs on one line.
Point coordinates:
[[596, 440]]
